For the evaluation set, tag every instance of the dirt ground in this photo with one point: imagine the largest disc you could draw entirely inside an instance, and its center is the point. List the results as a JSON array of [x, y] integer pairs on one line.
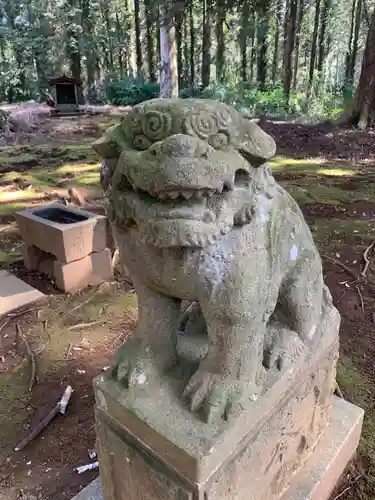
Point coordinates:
[[331, 173]]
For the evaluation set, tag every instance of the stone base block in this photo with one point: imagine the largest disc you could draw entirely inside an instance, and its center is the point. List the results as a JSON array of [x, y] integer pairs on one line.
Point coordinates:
[[151, 446], [315, 481], [94, 268]]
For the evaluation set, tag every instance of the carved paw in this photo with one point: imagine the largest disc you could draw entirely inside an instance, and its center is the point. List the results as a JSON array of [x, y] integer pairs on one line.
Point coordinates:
[[216, 393], [284, 351], [136, 365]]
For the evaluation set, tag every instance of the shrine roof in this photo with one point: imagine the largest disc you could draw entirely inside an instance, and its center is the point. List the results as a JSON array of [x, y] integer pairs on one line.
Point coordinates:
[[63, 79]]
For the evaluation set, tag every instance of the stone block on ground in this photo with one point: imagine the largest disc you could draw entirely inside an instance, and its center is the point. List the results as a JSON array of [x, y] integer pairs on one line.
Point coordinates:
[[15, 293], [90, 270], [81, 234]]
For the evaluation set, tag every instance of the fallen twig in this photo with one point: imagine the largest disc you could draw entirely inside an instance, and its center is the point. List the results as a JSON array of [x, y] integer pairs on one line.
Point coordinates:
[[68, 351], [366, 259], [123, 337], [85, 325], [4, 324], [17, 315], [84, 468], [59, 408], [338, 391], [31, 356], [360, 298], [85, 302], [340, 299], [347, 489], [343, 266]]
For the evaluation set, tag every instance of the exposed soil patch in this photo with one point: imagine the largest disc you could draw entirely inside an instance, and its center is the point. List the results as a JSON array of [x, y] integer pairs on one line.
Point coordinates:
[[363, 210], [322, 140], [45, 468]]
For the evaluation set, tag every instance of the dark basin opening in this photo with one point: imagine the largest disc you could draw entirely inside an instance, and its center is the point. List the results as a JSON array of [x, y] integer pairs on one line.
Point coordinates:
[[60, 215]]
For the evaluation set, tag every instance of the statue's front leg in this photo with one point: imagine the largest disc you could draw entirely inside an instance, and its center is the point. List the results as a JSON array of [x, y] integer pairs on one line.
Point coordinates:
[[152, 350], [232, 369]]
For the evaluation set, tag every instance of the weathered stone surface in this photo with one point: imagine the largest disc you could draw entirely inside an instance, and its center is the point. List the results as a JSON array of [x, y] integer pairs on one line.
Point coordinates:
[[90, 270], [316, 479], [198, 216], [15, 293], [67, 242], [268, 441], [229, 377], [92, 492]]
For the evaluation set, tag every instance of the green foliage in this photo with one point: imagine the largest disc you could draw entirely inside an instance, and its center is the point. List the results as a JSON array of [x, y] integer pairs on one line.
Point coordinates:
[[11, 89], [130, 91], [272, 102]]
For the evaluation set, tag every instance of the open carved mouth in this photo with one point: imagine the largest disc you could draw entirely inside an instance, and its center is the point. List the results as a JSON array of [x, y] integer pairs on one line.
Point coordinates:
[[183, 194]]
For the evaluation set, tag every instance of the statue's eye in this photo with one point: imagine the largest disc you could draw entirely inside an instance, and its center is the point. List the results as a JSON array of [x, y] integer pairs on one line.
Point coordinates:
[[219, 140], [141, 142]]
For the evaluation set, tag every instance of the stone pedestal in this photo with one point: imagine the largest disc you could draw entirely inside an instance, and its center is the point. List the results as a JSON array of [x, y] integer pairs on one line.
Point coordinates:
[[151, 447]]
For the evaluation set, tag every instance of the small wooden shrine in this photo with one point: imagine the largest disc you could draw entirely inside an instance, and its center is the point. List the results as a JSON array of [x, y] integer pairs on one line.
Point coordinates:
[[65, 94]]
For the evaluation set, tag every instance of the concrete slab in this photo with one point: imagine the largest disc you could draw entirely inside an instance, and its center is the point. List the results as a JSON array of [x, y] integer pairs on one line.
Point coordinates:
[[15, 293], [92, 492], [316, 480]]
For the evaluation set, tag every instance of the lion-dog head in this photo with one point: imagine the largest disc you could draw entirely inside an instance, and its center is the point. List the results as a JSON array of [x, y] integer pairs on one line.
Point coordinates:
[[179, 171]]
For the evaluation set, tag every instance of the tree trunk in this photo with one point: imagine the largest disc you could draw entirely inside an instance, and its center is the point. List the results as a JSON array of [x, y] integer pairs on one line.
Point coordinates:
[[244, 34], [150, 20], [168, 52], [119, 35], [105, 14], [313, 47], [185, 43], [362, 111], [220, 49], [275, 60], [206, 43], [253, 56], [138, 44], [322, 36], [192, 43], [301, 9], [180, 64], [291, 40], [262, 43], [355, 39], [349, 53], [73, 49]]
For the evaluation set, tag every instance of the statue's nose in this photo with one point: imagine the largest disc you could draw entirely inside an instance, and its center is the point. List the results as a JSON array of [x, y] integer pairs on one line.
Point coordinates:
[[184, 146]]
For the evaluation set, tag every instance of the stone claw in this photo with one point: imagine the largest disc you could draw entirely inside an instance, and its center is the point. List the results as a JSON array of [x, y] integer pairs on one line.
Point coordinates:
[[214, 392]]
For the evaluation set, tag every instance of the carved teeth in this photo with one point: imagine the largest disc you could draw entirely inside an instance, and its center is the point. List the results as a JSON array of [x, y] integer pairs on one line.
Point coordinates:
[[173, 194], [187, 194]]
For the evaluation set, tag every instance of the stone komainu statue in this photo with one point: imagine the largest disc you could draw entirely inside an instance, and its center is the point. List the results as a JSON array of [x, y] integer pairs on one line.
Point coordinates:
[[198, 216]]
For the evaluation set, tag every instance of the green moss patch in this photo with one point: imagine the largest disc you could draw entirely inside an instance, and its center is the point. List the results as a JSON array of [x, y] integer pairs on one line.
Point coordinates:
[[357, 389]]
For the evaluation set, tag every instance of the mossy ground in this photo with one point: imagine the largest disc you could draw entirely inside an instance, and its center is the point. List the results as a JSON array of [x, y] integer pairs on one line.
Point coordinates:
[[36, 174]]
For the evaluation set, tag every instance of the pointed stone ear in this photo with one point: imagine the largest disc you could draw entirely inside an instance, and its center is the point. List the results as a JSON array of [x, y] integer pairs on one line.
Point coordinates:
[[255, 145], [111, 143]]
